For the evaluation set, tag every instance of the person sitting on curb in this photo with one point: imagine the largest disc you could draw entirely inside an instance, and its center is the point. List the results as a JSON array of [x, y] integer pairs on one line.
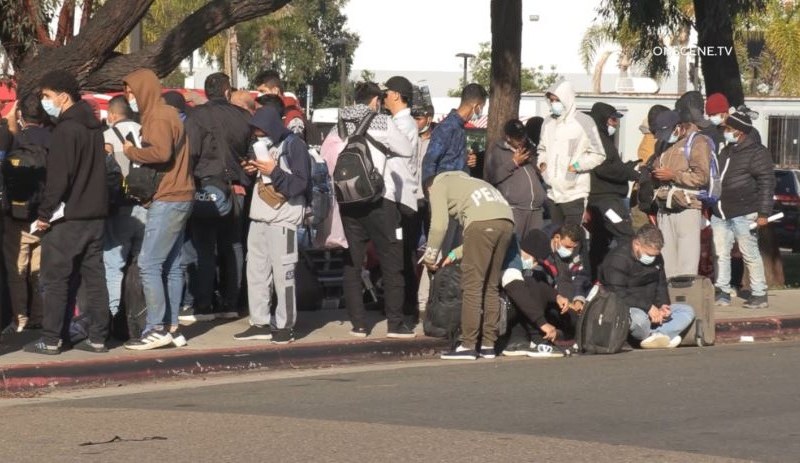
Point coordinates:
[[488, 223], [635, 273]]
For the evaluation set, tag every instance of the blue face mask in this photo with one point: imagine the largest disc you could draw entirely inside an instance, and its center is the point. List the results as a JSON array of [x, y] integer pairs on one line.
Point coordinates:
[[134, 106], [557, 108], [476, 114], [50, 108], [646, 259], [716, 119], [527, 263], [563, 252], [731, 138], [672, 138]]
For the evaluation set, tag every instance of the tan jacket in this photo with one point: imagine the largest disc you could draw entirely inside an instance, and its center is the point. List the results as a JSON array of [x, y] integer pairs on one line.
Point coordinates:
[[162, 131], [647, 147], [690, 174]]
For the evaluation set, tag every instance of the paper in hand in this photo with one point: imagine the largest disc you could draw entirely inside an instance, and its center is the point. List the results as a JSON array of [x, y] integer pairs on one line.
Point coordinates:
[[613, 216], [57, 215]]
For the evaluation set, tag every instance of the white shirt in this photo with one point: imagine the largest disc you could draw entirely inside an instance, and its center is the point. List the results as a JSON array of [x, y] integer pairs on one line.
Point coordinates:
[[110, 138], [408, 126]]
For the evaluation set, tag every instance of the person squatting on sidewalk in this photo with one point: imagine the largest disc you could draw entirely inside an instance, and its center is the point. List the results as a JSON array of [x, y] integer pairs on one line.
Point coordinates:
[[488, 224]]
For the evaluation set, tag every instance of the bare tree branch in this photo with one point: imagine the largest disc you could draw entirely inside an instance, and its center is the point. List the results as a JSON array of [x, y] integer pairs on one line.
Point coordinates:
[[65, 22], [86, 12]]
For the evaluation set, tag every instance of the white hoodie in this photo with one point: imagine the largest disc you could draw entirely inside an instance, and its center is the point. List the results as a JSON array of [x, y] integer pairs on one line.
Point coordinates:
[[569, 139]]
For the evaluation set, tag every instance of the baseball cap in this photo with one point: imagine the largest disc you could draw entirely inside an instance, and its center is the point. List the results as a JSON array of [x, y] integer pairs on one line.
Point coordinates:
[[400, 85], [665, 124]]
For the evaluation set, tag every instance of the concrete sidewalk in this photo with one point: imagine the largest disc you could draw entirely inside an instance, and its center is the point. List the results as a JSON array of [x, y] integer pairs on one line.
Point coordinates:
[[322, 341]]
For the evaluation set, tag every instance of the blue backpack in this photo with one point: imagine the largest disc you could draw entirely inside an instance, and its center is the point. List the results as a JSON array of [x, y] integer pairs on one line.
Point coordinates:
[[711, 194], [319, 206]]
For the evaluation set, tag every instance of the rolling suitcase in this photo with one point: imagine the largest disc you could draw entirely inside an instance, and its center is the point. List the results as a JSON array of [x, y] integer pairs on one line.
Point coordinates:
[[698, 292]]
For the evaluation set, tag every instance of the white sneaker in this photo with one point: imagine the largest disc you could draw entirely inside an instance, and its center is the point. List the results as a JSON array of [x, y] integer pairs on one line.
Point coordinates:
[[153, 339], [674, 342], [656, 341]]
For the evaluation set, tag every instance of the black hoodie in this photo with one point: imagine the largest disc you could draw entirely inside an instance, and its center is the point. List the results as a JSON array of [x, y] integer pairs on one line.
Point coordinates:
[[611, 177], [76, 168]]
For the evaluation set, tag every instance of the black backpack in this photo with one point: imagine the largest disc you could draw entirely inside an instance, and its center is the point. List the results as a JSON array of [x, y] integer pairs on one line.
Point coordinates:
[[355, 178], [25, 172], [604, 324], [143, 180], [443, 312]]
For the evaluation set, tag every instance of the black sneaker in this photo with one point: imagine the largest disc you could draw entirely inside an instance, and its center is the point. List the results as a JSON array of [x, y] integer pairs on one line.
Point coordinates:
[[401, 332], [460, 353], [756, 302], [284, 336], [254, 333], [359, 332], [192, 314], [152, 339], [42, 347], [487, 352], [517, 349], [546, 350], [94, 347]]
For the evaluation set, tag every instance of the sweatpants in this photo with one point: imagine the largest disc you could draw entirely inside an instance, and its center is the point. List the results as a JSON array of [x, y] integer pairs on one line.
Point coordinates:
[[570, 213], [485, 246], [379, 223], [69, 247], [271, 260], [526, 220], [681, 250]]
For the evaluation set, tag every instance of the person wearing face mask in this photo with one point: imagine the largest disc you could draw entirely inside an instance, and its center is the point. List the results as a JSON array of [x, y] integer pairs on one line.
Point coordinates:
[[748, 183], [511, 168], [683, 171], [570, 147], [379, 221], [635, 273], [610, 217], [219, 138], [76, 182]]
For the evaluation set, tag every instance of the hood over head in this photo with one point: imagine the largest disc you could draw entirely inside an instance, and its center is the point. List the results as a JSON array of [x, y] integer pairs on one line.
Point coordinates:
[[146, 88], [690, 108], [268, 120], [537, 244], [566, 93], [601, 112]]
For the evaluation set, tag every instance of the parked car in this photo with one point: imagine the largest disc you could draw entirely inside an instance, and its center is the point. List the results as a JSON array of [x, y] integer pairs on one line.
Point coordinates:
[[787, 200]]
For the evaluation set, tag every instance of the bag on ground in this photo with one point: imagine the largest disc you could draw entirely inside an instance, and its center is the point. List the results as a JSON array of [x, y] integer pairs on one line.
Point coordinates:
[[133, 303], [698, 292], [604, 324]]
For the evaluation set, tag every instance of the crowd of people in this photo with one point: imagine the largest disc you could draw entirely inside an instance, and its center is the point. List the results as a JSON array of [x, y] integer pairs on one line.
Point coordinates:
[[210, 205]]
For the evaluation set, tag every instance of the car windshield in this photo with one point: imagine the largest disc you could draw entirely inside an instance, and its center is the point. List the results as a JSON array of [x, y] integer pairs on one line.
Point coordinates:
[[784, 183]]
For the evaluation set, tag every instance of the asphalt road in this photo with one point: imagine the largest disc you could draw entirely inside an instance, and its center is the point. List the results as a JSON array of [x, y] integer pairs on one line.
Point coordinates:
[[688, 405]]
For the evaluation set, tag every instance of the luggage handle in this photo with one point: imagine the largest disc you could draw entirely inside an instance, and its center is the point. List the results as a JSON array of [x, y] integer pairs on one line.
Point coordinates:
[[682, 281]]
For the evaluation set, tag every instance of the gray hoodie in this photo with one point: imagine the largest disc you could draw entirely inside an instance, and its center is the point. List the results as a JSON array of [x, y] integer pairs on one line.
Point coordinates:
[[521, 186]]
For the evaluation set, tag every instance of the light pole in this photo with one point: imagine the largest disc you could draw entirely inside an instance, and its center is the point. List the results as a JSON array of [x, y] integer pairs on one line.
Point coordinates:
[[342, 42], [466, 56]]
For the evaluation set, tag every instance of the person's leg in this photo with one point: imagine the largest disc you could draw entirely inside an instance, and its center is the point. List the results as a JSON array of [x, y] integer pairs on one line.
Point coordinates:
[[231, 251], [411, 231], [115, 253], [680, 319], [557, 216], [723, 242], [164, 227], [573, 211], [259, 274], [357, 239], [35, 301], [17, 260], [93, 280], [424, 289], [204, 239], [382, 224], [640, 324], [59, 249], [670, 253], [522, 219], [497, 232], [748, 245], [283, 254], [689, 224], [174, 267]]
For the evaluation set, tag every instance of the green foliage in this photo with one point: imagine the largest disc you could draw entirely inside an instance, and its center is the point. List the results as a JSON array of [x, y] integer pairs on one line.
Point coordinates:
[[176, 79], [531, 79], [367, 76]]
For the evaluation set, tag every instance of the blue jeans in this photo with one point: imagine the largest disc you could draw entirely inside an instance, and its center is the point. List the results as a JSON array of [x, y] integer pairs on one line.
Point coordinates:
[[160, 261], [123, 238], [641, 328], [738, 228]]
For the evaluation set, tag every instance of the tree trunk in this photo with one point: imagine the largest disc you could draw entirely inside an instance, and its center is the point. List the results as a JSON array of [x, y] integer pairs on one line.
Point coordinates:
[[91, 56], [683, 66], [506, 65], [715, 29], [597, 77]]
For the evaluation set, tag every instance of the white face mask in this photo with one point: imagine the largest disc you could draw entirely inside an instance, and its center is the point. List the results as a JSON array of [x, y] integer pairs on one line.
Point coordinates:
[[266, 141], [646, 259], [612, 130], [50, 107], [673, 138], [716, 119], [134, 105], [557, 108], [731, 138], [563, 252], [527, 263], [477, 113]]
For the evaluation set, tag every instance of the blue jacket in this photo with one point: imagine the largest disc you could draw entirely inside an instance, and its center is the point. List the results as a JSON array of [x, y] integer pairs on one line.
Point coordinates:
[[447, 150]]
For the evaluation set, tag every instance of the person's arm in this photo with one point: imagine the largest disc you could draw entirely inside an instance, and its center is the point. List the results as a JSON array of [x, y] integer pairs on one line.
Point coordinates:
[[439, 220], [499, 165], [157, 144], [395, 140], [614, 276], [662, 291], [582, 280], [764, 173], [294, 183], [436, 149], [614, 170], [699, 165], [59, 175], [591, 152], [530, 297]]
